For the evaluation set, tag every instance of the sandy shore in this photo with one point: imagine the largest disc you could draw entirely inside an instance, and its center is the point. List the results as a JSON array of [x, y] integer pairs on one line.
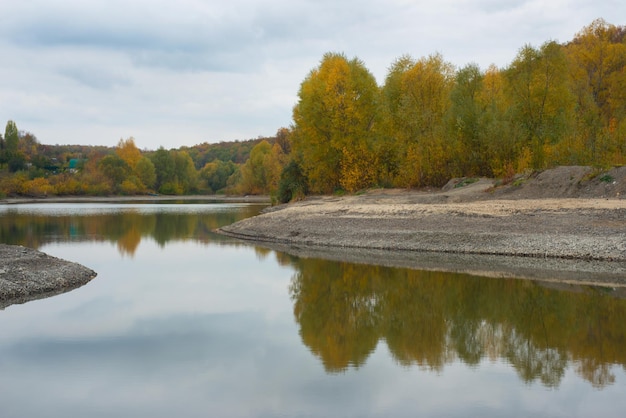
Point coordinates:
[[486, 232]]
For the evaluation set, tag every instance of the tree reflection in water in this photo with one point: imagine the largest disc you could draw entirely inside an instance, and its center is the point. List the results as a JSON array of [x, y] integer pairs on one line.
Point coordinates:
[[427, 319], [431, 319], [126, 227]]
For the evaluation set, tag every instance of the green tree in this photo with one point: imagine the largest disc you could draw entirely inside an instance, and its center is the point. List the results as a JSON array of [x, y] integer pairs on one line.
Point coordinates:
[[165, 169], [496, 132], [465, 116], [216, 173], [146, 172], [11, 138], [115, 169], [538, 85], [15, 159], [292, 184], [186, 175]]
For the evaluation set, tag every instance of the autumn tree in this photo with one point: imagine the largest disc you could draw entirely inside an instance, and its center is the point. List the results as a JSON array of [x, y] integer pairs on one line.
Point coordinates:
[[542, 103], [128, 151], [597, 57], [466, 122], [261, 173], [417, 100], [333, 118], [495, 127]]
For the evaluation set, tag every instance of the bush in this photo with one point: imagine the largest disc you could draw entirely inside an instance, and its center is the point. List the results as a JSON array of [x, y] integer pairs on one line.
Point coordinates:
[[293, 184], [171, 188], [36, 187], [65, 184]]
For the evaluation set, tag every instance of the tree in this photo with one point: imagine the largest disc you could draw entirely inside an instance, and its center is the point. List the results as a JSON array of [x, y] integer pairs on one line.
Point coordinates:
[[11, 138], [282, 139], [3, 156], [15, 159], [128, 151], [115, 169], [538, 85], [254, 173], [292, 184], [496, 131], [186, 176], [597, 56], [466, 121], [335, 111], [145, 172], [417, 99], [216, 173], [165, 168]]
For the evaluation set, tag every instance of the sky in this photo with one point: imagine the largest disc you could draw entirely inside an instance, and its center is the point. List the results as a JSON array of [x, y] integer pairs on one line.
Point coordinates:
[[175, 73]]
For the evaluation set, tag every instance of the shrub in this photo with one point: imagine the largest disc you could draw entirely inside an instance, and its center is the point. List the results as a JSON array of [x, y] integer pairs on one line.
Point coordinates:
[[293, 184], [36, 187]]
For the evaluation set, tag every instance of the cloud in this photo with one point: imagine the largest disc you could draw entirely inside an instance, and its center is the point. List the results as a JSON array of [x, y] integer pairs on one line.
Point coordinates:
[[231, 70]]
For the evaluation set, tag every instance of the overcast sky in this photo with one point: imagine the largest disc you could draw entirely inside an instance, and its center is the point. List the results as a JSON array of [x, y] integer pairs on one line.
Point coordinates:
[[182, 72]]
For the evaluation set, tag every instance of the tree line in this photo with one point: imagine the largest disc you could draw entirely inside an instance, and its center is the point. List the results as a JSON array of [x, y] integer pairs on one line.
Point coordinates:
[[557, 104], [28, 168]]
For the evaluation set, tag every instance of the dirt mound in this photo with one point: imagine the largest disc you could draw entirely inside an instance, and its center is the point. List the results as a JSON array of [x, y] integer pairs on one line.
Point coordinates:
[[566, 182]]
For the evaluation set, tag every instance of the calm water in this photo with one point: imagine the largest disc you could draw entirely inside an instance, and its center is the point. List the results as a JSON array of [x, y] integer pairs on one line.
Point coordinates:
[[182, 322]]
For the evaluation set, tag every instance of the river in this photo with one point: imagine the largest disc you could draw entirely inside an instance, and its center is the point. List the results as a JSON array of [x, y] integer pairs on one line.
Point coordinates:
[[183, 322]]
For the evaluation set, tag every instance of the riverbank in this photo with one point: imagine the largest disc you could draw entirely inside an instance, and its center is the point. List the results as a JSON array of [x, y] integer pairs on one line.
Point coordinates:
[[565, 218], [27, 274]]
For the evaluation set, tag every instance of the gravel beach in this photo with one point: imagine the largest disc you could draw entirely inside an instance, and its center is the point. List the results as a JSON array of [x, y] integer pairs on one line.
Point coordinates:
[[561, 214], [27, 274]]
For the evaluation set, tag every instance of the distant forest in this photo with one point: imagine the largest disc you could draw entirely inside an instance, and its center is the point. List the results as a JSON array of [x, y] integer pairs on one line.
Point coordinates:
[[556, 104]]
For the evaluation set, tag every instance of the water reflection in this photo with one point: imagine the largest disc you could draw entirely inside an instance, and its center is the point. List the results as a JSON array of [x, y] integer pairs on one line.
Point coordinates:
[[428, 320], [125, 225], [433, 319]]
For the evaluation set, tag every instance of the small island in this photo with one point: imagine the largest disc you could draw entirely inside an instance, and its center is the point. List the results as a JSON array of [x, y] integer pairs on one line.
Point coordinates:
[[27, 274]]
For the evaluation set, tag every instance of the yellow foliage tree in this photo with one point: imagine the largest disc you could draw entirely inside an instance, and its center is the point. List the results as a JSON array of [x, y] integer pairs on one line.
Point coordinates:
[[597, 57], [417, 98], [128, 151], [336, 110]]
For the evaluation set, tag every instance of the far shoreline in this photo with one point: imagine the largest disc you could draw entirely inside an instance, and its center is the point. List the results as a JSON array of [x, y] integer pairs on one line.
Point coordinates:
[[257, 199]]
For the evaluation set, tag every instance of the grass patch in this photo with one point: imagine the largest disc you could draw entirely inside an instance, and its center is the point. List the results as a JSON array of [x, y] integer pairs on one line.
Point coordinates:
[[607, 178], [518, 182], [465, 182]]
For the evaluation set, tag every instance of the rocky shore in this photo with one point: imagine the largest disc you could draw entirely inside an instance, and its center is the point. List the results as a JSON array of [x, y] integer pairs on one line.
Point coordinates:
[[27, 274], [559, 215]]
